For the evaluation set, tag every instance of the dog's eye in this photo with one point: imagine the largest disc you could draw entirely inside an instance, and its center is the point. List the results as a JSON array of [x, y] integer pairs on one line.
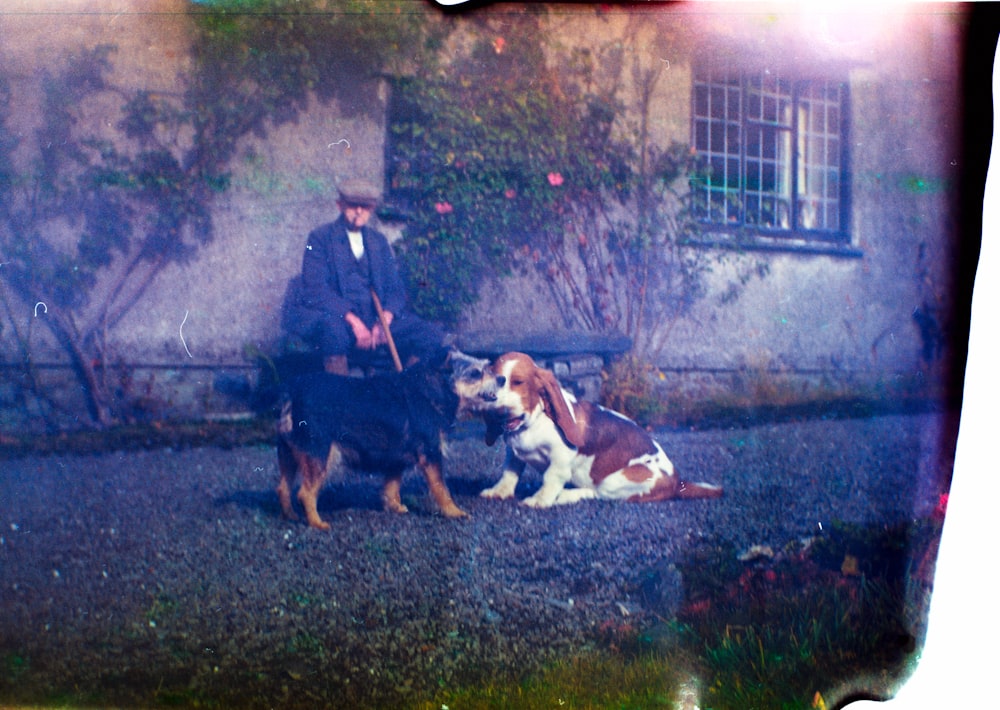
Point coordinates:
[[476, 374]]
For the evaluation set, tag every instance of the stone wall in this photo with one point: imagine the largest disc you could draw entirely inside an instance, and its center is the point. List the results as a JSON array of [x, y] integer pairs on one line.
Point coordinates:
[[848, 317]]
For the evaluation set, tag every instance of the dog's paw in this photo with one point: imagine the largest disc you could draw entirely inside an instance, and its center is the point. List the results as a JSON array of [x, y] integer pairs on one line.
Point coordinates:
[[537, 501], [502, 489], [454, 513], [497, 492], [574, 495]]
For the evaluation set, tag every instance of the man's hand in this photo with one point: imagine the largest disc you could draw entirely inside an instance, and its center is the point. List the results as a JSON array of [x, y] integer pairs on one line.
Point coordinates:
[[379, 336], [365, 339]]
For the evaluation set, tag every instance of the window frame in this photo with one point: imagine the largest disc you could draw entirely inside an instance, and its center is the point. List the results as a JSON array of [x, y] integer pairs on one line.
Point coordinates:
[[747, 199]]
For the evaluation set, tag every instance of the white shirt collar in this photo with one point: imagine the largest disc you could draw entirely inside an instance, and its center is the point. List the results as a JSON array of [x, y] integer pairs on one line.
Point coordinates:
[[357, 244]]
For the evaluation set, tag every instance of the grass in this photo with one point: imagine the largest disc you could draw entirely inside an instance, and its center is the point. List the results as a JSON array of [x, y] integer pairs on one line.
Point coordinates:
[[802, 643], [598, 680], [829, 618], [788, 633]]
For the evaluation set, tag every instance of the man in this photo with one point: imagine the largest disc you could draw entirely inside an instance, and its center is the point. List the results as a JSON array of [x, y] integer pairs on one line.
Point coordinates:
[[331, 306]]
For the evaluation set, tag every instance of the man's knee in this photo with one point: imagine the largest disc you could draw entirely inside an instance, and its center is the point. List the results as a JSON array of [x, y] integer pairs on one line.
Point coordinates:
[[336, 365]]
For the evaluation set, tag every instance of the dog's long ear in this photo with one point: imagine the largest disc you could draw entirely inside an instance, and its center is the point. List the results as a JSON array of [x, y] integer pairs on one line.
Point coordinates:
[[558, 408], [494, 430]]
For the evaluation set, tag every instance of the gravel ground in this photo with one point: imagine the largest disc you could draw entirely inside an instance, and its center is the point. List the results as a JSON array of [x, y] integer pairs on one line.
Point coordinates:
[[146, 578]]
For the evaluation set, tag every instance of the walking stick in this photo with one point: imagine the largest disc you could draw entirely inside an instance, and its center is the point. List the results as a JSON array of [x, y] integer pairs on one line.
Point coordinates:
[[388, 334]]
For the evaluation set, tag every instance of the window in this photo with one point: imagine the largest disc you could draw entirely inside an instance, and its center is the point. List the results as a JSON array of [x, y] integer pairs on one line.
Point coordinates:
[[774, 155]]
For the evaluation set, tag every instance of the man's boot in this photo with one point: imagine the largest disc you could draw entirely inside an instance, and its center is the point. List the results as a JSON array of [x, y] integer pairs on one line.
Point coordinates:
[[336, 365]]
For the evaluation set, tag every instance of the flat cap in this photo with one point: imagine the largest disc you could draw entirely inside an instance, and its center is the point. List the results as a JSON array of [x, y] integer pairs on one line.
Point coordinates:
[[359, 192]]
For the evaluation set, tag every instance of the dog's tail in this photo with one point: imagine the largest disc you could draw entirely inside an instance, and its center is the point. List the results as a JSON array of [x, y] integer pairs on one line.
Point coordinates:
[[688, 491], [672, 488]]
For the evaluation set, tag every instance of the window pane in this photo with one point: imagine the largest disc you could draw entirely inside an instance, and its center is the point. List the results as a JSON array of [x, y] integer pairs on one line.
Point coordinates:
[[769, 143], [770, 109], [833, 184], [734, 216], [701, 136], [718, 142], [733, 107], [718, 174], [755, 133], [733, 138], [718, 102], [700, 101], [753, 208], [815, 150], [733, 173], [817, 122], [769, 212], [833, 216], [769, 176]]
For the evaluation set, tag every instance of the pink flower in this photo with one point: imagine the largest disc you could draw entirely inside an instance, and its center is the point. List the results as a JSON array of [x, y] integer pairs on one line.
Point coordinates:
[[498, 45], [443, 207], [555, 179], [699, 607], [510, 193]]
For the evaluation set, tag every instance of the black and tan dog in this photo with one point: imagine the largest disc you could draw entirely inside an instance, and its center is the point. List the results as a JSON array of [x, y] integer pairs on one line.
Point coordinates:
[[385, 423]]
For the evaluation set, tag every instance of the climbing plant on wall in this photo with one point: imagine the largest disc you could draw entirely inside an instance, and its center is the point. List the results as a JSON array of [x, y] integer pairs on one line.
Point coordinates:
[[93, 211], [492, 160], [92, 218], [525, 156]]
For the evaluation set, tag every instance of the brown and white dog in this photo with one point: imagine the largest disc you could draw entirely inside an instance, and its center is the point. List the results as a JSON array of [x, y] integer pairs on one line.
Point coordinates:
[[602, 453]]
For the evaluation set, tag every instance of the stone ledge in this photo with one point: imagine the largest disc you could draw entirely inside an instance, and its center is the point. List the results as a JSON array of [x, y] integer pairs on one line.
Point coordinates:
[[576, 358], [542, 345]]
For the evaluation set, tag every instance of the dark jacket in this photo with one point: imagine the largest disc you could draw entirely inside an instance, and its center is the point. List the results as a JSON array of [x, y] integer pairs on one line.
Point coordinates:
[[333, 283], [325, 265]]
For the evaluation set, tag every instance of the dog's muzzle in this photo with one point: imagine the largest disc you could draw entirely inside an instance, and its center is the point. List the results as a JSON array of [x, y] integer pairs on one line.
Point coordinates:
[[513, 424]]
